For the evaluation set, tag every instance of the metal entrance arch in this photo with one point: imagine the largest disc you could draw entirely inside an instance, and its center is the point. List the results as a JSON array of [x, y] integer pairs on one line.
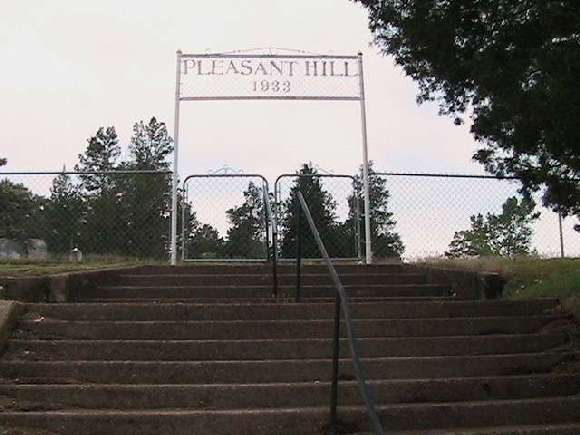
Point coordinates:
[[205, 206], [269, 77]]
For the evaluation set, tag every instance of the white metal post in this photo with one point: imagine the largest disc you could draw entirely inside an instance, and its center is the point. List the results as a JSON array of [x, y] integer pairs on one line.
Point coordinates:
[[175, 161], [562, 254], [367, 199]]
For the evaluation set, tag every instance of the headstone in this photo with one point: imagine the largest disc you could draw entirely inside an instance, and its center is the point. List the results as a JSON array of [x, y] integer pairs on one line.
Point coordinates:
[[11, 249], [36, 249], [76, 255]]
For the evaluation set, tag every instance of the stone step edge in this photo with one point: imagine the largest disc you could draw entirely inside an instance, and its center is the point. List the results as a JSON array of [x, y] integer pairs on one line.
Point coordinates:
[[301, 384], [324, 409], [568, 354]]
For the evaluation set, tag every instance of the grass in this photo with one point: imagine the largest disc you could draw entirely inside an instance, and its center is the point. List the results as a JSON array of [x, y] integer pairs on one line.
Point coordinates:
[[53, 266], [528, 277]]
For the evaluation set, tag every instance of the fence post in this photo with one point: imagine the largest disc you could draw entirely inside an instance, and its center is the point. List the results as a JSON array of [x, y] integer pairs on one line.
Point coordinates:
[[367, 201], [562, 254], [175, 161], [298, 248]]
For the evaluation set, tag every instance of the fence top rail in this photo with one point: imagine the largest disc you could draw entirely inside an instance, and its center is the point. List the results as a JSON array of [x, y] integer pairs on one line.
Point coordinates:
[[85, 172], [439, 175], [189, 177], [351, 177]]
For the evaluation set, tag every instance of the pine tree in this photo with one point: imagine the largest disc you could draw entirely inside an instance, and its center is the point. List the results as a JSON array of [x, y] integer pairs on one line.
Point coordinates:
[[245, 238], [64, 214], [202, 240], [105, 231], [323, 209], [508, 234], [385, 241], [150, 146], [101, 155], [147, 205]]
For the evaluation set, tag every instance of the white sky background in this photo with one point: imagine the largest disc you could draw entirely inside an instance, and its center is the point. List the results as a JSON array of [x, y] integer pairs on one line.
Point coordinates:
[[70, 66]]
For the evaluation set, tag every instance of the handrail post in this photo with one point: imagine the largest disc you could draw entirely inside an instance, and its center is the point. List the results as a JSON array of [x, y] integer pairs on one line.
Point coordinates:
[[274, 266], [357, 364], [335, 367], [298, 248]]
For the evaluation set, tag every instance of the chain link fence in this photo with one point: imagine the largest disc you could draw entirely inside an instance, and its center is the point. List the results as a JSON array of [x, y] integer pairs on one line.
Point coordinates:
[[225, 217], [127, 215], [335, 204], [449, 215], [63, 216]]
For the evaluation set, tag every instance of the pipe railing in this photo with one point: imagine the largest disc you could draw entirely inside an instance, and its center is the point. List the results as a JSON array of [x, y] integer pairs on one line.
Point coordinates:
[[341, 305], [271, 219]]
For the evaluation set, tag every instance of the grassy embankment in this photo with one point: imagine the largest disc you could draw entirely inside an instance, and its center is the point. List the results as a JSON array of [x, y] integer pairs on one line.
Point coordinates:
[[530, 277], [49, 267]]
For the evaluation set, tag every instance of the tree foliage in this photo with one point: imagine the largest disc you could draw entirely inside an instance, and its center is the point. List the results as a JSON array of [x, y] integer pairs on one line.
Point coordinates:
[[323, 209], [22, 212], [508, 234], [386, 241], [513, 66], [245, 237], [64, 215], [202, 240]]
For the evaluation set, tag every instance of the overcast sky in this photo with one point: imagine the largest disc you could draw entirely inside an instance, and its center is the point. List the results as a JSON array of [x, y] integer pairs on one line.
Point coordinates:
[[71, 66]]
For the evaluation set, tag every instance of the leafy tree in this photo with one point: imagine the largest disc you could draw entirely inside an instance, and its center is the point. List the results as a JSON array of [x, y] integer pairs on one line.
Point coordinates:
[[245, 238], [385, 241], [508, 234], [512, 65], [64, 214], [323, 209], [21, 212]]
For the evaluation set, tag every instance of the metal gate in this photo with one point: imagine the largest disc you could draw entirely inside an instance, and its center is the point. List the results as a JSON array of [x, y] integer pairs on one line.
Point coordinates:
[[225, 217], [335, 201]]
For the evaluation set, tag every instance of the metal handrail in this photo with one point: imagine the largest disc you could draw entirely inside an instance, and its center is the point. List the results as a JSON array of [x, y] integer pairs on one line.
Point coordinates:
[[271, 218], [341, 304]]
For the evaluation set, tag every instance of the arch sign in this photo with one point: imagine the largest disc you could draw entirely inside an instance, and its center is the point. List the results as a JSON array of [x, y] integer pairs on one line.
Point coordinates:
[[219, 76]]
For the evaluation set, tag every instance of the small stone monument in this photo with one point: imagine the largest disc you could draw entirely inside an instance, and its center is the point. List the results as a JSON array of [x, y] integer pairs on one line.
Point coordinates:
[[76, 255], [36, 249]]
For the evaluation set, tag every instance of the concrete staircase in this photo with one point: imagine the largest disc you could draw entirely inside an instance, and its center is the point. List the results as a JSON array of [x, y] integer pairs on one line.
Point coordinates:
[[205, 350]]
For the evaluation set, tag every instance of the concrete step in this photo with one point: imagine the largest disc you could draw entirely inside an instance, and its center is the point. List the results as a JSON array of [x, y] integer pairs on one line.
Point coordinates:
[[233, 291], [287, 299], [250, 396], [274, 329], [266, 268], [195, 350], [269, 311], [541, 429], [168, 279], [304, 421], [276, 371]]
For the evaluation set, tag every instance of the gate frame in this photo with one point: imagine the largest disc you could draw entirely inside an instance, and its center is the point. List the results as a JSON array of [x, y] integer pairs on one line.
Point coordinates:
[[360, 98], [269, 220], [358, 251]]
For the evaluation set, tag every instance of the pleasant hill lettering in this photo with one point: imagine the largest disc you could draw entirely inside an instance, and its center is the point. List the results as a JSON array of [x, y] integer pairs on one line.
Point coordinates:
[[274, 68]]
